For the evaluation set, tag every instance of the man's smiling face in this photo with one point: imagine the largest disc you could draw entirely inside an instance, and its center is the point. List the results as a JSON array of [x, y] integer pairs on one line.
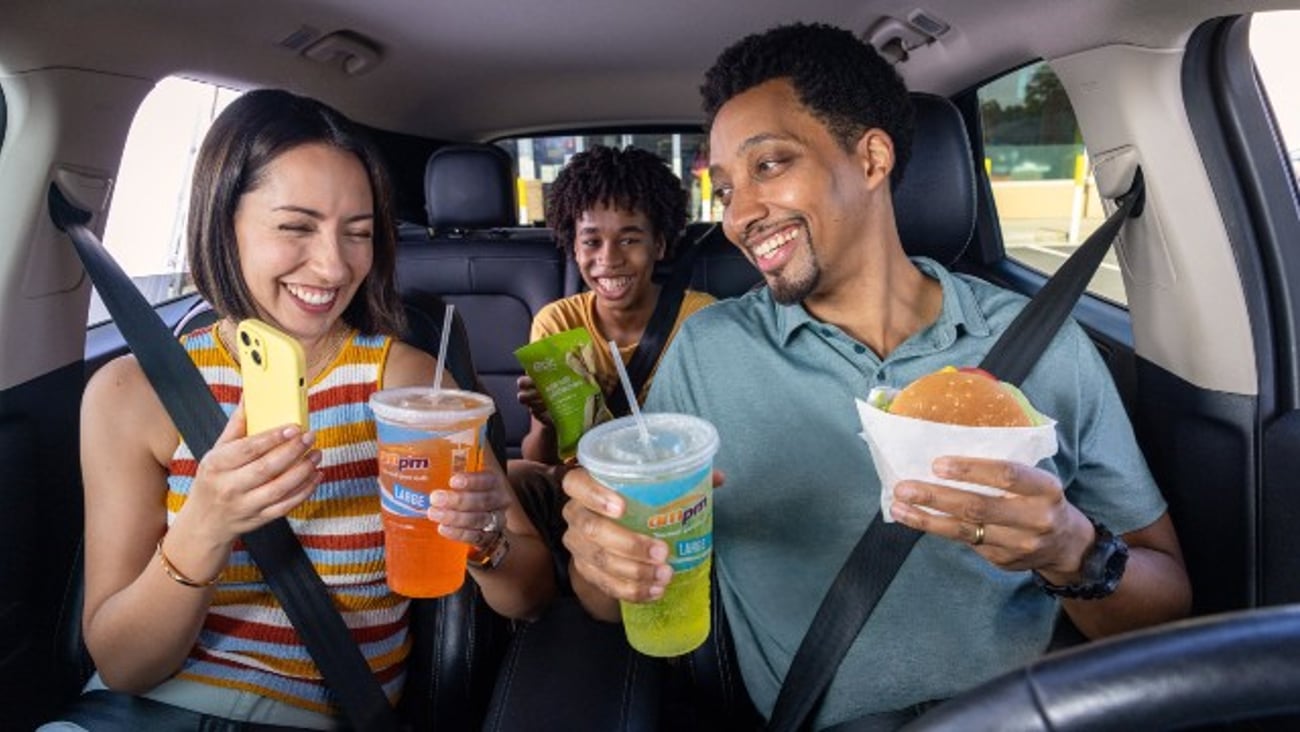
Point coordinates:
[[794, 198]]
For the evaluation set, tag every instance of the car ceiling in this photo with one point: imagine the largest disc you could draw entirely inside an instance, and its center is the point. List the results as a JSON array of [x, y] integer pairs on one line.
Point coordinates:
[[477, 69]]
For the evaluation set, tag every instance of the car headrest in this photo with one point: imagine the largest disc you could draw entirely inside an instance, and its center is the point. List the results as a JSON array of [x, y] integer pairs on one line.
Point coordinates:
[[935, 204], [469, 187]]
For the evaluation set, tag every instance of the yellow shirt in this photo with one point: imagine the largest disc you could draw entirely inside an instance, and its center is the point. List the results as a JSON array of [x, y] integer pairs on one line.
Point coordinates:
[[579, 311]]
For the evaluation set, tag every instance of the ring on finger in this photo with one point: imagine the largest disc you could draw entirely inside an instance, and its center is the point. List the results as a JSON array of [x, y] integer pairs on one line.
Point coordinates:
[[493, 524], [979, 535]]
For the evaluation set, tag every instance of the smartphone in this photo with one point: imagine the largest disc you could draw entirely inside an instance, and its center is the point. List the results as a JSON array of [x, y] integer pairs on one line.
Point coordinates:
[[274, 371]]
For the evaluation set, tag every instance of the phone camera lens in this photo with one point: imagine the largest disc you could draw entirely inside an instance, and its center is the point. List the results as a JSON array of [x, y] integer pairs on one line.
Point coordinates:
[[257, 358], [244, 337]]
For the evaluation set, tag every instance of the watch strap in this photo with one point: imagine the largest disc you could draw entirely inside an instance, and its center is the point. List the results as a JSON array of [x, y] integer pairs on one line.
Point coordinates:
[[491, 555], [1100, 572]]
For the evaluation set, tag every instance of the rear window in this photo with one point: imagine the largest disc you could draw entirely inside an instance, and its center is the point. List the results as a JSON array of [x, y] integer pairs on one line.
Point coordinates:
[[538, 160]]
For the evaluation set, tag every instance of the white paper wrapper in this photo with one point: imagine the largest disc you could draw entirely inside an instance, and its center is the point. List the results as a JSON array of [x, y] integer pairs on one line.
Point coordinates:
[[904, 448]]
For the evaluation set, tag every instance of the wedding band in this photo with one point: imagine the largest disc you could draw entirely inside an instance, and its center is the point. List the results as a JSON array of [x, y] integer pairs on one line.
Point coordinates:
[[493, 524], [979, 535]]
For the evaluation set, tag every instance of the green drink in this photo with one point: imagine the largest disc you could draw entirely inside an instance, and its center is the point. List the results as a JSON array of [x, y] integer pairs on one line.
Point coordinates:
[[668, 487]]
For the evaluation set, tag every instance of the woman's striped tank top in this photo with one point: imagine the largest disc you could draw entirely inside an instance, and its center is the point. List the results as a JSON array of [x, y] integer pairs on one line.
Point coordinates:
[[247, 641]]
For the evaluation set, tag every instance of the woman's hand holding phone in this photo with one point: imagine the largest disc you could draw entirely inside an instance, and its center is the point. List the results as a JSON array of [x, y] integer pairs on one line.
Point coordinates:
[[262, 465], [246, 481]]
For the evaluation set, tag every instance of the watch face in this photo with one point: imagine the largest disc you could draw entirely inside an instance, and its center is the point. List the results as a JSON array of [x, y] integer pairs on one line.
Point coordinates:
[[1102, 569]]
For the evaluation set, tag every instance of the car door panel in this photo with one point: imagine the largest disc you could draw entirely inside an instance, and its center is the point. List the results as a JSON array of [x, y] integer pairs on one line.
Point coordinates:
[[40, 526]]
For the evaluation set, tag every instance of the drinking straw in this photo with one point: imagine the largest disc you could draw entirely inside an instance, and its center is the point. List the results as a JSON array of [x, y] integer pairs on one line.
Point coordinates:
[[631, 395], [442, 348]]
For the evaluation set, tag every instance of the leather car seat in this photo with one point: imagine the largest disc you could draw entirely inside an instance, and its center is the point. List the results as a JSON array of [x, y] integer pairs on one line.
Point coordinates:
[[498, 276]]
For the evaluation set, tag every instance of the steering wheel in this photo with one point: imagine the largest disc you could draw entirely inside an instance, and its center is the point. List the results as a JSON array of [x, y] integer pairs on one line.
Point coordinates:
[[1219, 668]]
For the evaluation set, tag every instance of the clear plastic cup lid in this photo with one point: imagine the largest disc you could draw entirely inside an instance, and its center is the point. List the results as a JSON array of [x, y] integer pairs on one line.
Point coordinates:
[[418, 405], [678, 443]]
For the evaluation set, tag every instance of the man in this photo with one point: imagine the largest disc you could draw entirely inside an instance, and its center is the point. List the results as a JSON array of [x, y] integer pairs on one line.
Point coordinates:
[[617, 213], [809, 129]]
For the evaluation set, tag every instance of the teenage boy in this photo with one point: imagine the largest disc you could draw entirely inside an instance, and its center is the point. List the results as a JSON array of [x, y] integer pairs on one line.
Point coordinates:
[[617, 213]]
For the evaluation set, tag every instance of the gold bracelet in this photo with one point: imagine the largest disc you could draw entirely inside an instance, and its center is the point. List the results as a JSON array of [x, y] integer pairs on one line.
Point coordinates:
[[177, 575]]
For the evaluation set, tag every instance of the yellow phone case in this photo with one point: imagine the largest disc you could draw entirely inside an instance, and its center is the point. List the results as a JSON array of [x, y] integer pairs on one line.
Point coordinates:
[[274, 372]]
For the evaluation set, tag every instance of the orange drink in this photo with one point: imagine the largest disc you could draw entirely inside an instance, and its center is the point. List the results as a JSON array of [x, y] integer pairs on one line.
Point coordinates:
[[423, 439]]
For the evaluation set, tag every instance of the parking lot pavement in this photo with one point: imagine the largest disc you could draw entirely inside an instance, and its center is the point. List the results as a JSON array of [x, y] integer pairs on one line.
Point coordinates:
[[1042, 245]]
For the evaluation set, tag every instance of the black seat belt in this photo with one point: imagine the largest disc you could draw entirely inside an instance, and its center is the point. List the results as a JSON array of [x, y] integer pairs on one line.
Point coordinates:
[[200, 420], [879, 554], [1017, 350], [655, 337]]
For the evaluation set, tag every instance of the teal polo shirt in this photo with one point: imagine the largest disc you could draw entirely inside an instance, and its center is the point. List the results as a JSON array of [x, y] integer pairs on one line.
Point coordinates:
[[780, 385]]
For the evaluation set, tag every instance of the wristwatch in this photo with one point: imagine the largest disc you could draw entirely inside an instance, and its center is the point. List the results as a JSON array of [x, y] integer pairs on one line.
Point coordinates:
[[491, 555], [1100, 572]]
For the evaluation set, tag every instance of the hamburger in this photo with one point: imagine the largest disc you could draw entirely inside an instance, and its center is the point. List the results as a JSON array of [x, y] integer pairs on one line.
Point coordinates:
[[971, 397]]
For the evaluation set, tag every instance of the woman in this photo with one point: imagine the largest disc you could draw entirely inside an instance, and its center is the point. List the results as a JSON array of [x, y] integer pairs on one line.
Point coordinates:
[[289, 223]]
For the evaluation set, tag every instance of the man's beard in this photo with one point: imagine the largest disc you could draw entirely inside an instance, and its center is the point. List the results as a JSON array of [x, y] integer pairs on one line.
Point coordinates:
[[791, 290]]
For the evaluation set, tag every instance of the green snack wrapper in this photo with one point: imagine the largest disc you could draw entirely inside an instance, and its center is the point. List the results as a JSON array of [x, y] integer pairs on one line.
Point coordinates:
[[563, 367]]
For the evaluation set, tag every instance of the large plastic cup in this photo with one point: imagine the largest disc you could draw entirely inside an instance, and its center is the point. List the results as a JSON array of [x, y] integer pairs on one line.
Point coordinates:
[[423, 438], [669, 493]]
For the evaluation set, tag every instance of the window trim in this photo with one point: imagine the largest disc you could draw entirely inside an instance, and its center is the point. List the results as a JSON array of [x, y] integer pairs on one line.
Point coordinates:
[[1252, 184]]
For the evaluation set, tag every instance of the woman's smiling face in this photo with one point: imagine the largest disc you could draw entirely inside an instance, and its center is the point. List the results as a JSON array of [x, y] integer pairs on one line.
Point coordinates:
[[304, 232]]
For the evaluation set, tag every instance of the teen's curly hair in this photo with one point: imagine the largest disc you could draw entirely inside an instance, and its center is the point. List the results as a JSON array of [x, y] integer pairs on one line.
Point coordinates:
[[631, 179], [842, 81]]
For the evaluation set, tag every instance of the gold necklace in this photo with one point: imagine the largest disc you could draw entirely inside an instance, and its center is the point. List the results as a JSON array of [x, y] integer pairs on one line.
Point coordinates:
[[325, 356], [337, 336]]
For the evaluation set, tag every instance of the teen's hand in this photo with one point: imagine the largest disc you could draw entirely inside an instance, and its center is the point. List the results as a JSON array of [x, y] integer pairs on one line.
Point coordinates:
[[530, 397]]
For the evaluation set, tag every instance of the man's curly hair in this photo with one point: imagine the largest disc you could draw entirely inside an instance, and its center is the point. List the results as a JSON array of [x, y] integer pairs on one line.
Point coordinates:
[[631, 179], [842, 81]]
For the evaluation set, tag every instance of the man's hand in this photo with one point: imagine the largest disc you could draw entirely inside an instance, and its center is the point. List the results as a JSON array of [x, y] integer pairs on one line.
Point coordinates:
[[618, 562], [1034, 527], [1031, 527]]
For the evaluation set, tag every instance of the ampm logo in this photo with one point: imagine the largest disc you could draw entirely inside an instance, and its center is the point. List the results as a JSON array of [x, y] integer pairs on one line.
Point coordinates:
[[677, 513], [393, 462], [411, 462]]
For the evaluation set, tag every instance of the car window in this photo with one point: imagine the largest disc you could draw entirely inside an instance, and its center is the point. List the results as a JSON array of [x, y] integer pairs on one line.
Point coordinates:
[[538, 160], [1043, 189], [1272, 44], [145, 230]]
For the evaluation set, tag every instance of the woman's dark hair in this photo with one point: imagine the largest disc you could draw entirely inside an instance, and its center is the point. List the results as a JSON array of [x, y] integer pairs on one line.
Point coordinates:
[[631, 179], [246, 137], [841, 79]]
